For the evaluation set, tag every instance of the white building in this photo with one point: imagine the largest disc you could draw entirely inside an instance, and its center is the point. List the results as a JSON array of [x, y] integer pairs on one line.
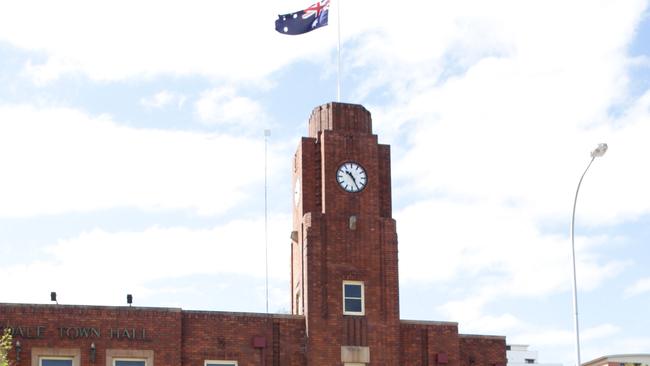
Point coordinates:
[[642, 359], [520, 355]]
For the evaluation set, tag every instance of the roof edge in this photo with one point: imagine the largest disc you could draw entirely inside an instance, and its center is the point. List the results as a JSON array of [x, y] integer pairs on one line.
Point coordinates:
[[487, 336]]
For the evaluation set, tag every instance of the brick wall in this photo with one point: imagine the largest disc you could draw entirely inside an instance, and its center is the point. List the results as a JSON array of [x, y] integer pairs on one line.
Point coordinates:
[[477, 350], [118, 328], [233, 336], [176, 337], [429, 343]]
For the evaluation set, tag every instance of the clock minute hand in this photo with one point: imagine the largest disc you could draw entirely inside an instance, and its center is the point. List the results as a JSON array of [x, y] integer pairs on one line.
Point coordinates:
[[353, 180]]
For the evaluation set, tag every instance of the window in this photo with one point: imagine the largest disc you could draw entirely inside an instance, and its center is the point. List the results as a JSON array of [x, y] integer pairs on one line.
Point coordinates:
[[55, 356], [55, 361], [220, 363], [129, 357], [353, 303], [529, 360], [129, 362]]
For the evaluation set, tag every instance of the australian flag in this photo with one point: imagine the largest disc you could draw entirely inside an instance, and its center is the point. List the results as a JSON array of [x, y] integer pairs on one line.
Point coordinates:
[[304, 21]]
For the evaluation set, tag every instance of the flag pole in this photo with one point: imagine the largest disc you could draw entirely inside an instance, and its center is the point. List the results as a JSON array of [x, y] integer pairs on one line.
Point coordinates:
[[338, 50], [267, 133]]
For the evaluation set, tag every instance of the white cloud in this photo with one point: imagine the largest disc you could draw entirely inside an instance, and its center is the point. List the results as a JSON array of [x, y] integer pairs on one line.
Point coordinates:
[[122, 39], [132, 260], [555, 337], [545, 337], [472, 318], [602, 331], [629, 345], [641, 286], [224, 106], [495, 146], [505, 159], [620, 344], [60, 160], [513, 119], [503, 247], [164, 98]]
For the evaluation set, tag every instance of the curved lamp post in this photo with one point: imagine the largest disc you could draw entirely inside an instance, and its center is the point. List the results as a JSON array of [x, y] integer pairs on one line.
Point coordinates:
[[600, 150]]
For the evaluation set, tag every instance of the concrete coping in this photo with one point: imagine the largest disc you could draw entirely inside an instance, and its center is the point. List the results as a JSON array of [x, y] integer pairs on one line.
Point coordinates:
[[65, 307], [427, 322], [243, 314], [479, 336], [91, 307]]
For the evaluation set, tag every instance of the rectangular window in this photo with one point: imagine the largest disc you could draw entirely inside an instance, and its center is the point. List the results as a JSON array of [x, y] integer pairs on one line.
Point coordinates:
[[129, 357], [130, 362], [55, 361], [220, 363], [42, 356], [353, 303]]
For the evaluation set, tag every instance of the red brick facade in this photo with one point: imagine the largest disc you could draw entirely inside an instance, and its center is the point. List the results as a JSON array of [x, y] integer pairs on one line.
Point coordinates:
[[337, 236]]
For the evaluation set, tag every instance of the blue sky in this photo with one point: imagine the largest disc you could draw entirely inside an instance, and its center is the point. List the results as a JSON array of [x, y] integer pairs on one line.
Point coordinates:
[[132, 155]]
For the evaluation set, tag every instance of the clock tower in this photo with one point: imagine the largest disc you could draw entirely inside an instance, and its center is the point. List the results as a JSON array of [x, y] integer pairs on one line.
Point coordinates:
[[344, 274], [344, 286]]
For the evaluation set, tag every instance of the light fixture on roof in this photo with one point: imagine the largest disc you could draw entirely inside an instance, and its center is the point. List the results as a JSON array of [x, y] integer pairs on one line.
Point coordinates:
[[53, 297], [129, 299]]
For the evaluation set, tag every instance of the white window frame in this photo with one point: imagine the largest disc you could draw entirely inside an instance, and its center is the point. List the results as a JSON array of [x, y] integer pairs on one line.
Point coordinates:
[[40, 353], [116, 359], [113, 355], [41, 358], [363, 300], [220, 362]]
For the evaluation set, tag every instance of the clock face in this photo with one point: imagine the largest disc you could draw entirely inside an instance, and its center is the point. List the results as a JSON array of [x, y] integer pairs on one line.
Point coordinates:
[[296, 192], [351, 177]]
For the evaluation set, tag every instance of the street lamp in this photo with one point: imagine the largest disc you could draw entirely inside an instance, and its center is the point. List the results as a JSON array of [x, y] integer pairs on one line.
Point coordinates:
[[600, 150]]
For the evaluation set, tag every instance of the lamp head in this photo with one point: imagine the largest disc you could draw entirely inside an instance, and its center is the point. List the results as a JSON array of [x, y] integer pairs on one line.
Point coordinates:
[[93, 352], [599, 151], [19, 349]]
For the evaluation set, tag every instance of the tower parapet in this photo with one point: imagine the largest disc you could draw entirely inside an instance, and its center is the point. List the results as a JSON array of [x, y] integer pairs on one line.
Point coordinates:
[[340, 117]]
